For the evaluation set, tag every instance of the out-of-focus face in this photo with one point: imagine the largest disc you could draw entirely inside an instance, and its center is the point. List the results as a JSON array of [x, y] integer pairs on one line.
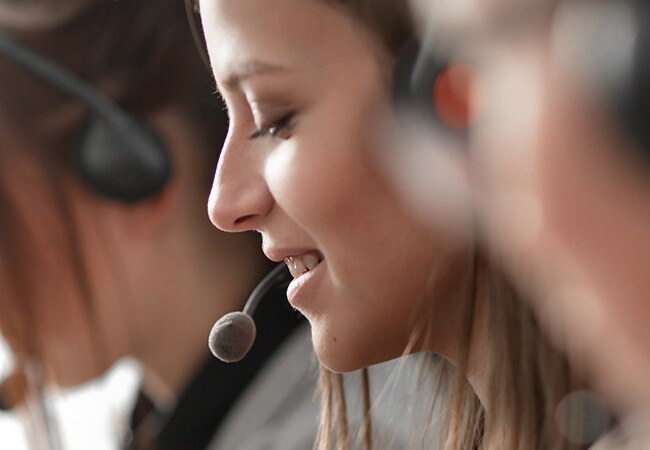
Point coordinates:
[[305, 85], [567, 201], [563, 200], [99, 286]]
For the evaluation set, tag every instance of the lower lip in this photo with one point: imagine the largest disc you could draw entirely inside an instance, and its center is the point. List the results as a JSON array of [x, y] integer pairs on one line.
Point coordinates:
[[298, 290]]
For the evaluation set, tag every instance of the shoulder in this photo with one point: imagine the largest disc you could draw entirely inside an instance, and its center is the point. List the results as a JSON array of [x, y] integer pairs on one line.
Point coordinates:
[[278, 409]]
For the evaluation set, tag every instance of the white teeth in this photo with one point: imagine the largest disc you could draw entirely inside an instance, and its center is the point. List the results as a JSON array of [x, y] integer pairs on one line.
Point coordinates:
[[310, 260], [304, 263], [296, 266]]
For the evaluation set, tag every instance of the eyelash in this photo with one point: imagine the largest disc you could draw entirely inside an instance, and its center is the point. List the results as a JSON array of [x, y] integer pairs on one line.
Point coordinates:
[[275, 128]]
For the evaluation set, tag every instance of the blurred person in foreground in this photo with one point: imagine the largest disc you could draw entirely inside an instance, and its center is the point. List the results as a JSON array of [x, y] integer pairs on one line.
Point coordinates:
[[88, 276], [575, 191], [559, 175]]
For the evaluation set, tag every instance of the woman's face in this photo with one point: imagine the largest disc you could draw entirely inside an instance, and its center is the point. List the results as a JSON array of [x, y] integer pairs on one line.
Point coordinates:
[[108, 297], [305, 85]]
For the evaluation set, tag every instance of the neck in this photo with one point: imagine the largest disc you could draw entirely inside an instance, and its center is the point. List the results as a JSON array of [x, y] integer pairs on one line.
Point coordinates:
[[450, 331]]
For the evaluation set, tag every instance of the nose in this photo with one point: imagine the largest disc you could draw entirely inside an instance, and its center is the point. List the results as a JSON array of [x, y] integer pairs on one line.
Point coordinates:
[[240, 198]]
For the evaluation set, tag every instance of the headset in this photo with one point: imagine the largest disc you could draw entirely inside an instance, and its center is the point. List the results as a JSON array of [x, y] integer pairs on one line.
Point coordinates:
[[117, 155], [433, 86], [419, 71], [233, 335], [626, 89]]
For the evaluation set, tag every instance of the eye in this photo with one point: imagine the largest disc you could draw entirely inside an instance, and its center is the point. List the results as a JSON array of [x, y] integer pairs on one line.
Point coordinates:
[[278, 128]]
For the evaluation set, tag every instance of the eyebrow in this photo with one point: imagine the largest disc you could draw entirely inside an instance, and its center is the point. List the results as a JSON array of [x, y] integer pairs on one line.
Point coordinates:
[[248, 69]]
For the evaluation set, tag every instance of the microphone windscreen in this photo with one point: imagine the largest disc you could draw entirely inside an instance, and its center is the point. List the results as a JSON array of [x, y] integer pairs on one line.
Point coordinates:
[[232, 336]]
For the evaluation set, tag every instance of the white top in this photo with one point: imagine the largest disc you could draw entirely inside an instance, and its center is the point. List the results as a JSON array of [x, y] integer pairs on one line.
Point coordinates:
[[279, 410]]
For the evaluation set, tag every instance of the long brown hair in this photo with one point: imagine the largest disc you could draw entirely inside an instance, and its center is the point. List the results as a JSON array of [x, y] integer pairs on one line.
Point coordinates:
[[527, 378], [130, 51]]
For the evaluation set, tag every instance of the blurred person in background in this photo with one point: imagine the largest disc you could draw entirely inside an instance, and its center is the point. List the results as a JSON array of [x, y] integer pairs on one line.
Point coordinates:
[[100, 263], [307, 86]]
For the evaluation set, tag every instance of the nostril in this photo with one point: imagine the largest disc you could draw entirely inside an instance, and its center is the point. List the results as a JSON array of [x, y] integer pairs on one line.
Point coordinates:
[[240, 204], [243, 219]]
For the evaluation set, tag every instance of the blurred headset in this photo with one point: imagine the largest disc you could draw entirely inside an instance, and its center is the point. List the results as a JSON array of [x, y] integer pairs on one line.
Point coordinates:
[[117, 155], [614, 38], [425, 80], [432, 86]]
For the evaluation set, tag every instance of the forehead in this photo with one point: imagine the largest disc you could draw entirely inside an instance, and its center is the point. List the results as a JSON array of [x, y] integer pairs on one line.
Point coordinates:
[[285, 32]]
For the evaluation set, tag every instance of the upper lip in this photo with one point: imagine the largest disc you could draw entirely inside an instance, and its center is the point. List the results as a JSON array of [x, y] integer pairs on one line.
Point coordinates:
[[279, 254]]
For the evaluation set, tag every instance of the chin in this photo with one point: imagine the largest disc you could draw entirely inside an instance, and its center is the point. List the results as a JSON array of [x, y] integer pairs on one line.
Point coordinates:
[[342, 353], [336, 362]]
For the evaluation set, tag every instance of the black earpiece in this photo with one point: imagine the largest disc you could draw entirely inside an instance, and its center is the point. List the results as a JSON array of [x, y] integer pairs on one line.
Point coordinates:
[[414, 74], [122, 158], [118, 156], [630, 92], [607, 45]]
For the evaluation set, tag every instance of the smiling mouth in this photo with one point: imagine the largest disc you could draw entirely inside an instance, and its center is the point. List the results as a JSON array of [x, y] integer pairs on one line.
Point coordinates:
[[301, 264]]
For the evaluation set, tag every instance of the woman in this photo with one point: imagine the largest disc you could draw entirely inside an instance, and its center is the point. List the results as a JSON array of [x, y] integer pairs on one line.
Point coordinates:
[[89, 275], [576, 186], [306, 84]]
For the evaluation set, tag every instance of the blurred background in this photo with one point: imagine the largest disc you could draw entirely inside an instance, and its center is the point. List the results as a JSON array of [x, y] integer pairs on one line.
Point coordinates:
[[92, 416]]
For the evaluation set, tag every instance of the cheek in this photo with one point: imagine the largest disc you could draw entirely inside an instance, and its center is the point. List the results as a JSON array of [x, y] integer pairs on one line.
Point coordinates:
[[372, 313], [82, 324], [319, 176], [108, 274], [59, 321], [361, 327], [378, 277], [377, 260], [56, 317]]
